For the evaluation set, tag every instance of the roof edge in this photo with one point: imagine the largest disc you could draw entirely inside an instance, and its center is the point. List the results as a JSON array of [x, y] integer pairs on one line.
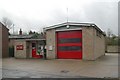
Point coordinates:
[[75, 23], [67, 23]]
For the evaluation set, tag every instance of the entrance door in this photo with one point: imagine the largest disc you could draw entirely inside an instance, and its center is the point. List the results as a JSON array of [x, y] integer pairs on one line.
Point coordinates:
[[69, 45], [33, 50], [36, 51]]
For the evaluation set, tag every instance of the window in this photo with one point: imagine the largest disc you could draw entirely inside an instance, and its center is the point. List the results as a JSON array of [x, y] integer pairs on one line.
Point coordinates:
[[70, 40], [33, 44], [69, 48]]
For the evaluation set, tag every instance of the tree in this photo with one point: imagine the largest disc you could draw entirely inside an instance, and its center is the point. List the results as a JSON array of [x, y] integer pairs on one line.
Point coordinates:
[[111, 39], [109, 33], [30, 32], [7, 22]]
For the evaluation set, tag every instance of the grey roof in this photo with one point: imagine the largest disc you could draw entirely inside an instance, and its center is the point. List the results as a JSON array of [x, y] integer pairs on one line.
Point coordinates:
[[31, 36], [75, 24], [20, 36]]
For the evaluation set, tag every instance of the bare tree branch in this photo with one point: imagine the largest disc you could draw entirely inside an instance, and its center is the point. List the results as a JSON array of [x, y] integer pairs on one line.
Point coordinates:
[[7, 22]]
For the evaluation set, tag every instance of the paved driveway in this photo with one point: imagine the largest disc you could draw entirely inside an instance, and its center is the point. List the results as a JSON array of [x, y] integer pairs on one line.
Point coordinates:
[[106, 66]]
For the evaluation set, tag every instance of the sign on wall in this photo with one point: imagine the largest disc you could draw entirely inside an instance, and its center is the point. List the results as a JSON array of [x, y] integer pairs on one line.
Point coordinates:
[[19, 47], [50, 48]]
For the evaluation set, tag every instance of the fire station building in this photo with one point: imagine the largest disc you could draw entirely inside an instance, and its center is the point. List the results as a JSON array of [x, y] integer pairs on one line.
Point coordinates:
[[74, 41]]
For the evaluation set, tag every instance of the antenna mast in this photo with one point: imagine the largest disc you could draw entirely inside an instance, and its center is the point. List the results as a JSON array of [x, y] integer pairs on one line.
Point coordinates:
[[67, 19], [67, 14]]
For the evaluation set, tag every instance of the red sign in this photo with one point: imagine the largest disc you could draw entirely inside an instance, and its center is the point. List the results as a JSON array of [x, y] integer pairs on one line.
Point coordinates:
[[19, 47]]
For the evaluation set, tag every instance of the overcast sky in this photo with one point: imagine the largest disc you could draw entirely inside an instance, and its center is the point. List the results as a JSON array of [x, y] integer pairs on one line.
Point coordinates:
[[36, 14]]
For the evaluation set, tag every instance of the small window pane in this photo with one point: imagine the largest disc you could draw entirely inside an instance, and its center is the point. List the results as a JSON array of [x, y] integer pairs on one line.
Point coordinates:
[[33, 45], [70, 40], [69, 48]]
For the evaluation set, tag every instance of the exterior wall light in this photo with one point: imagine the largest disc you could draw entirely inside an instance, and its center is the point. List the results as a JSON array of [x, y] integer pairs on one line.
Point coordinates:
[[68, 26]]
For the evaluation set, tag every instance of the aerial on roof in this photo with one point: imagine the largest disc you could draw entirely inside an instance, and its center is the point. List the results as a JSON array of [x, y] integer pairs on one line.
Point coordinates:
[[75, 24]]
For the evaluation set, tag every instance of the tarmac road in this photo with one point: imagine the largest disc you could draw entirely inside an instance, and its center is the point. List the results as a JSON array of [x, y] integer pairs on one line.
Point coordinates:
[[106, 66]]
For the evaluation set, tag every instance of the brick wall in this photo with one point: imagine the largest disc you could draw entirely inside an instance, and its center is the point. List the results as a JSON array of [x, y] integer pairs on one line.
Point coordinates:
[[51, 41], [11, 42], [29, 49], [5, 42], [113, 49], [20, 53], [87, 43], [99, 45], [93, 45], [0, 40]]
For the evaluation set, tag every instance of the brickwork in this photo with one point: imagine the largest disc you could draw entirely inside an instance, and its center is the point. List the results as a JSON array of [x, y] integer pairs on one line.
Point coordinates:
[[99, 45], [4, 41], [20, 53], [87, 43], [51, 42], [11, 42], [0, 40], [112, 48]]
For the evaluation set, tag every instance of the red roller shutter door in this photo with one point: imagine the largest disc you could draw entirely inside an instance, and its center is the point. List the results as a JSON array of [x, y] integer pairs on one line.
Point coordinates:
[[69, 45]]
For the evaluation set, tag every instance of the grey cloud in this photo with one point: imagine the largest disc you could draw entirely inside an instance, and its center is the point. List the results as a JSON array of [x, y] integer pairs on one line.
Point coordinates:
[[104, 14]]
